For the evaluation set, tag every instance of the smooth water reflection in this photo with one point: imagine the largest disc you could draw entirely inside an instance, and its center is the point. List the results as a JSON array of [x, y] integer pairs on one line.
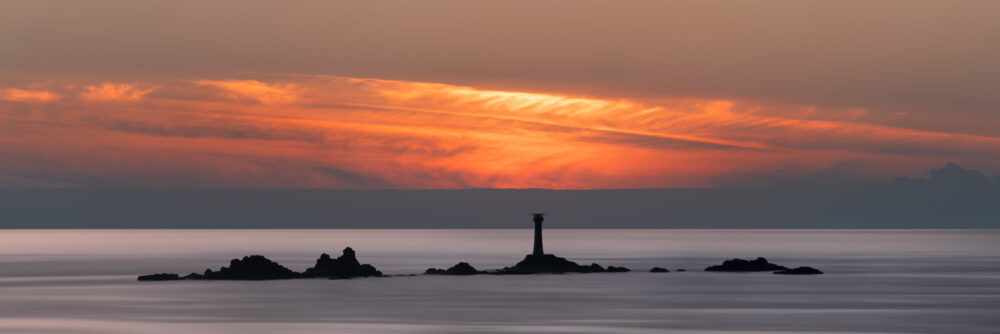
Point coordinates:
[[69, 281]]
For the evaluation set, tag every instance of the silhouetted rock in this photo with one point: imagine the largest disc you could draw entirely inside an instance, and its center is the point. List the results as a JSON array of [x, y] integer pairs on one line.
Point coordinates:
[[613, 269], [740, 265], [681, 269], [345, 266], [548, 263], [253, 267], [462, 268], [799, 271], [659, 270], [193, 276], [159, 277]]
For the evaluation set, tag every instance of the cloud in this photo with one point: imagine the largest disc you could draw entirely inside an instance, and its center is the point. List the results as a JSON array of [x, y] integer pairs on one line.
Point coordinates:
[[107, 91], [361, 132], [254, 90], [21, 95], [950, 177]]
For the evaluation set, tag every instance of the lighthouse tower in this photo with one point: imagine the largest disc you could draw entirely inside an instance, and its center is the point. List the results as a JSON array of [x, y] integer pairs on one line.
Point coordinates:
[[538, 217]]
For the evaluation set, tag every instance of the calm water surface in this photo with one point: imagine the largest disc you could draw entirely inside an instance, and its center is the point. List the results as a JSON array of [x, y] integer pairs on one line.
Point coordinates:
[[877, 281]]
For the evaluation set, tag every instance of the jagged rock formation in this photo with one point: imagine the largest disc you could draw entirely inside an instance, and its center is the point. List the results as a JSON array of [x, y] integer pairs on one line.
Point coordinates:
[[462, 268], [159, 277], [253, 267], [659, 270], [345, 266], [257, 267], [740, 265], [799, 271]]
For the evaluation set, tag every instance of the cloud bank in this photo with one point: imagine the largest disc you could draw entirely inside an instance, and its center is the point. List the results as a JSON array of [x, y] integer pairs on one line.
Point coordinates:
[[305, 131]]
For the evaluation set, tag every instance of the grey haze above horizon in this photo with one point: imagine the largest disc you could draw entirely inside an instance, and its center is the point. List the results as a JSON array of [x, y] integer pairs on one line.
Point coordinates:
[[951, 197]]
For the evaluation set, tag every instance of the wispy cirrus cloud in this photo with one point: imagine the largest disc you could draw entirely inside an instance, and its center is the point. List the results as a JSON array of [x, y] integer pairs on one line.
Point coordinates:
[[129, 92], [253, 90], [340, 132], [23, 95]]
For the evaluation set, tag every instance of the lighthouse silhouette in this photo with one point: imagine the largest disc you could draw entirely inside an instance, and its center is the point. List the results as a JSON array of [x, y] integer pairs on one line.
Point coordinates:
[[538, 218]]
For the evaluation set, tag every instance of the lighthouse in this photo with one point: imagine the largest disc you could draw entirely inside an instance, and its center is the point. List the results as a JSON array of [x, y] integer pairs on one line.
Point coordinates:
[[538, 217]]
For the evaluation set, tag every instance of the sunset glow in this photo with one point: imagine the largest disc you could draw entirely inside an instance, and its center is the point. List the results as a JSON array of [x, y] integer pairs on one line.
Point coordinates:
[[341, 132]]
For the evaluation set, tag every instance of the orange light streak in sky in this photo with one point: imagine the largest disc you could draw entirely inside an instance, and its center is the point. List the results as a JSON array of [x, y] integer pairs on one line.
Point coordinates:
[[337, 132]]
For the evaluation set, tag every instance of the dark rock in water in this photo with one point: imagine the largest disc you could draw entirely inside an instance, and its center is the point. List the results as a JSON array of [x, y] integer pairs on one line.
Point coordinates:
[[253, 267], [345, 266], [159, 277], [799, 271], [740, 265], [682, 269], [548, 263], [462, 268], [613, 269], [659, 270]]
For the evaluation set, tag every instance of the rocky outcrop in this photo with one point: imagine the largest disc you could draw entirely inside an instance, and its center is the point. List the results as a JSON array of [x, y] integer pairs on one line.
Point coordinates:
[[613, 269], [548, 263], [740, 265], [257, 267], [160, 277], [253, 267], [681, 270], [344, 266], [799, 271], [460, 269], [659, 270]]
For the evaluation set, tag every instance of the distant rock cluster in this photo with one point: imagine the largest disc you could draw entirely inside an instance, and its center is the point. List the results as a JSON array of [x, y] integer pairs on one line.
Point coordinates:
[[257, 267], [760, 264], [532, 264]]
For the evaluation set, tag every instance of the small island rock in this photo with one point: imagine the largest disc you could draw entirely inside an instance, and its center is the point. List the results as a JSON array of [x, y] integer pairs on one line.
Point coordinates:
[[460, 269], [659, 270], [548, 263], [740, 265], [160, 277], [799, 271]]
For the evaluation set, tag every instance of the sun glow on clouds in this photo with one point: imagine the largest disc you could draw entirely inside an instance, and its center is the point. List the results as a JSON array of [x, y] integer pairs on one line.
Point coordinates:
[[255, 90], [115, 92], [336, 132], [22, 95]]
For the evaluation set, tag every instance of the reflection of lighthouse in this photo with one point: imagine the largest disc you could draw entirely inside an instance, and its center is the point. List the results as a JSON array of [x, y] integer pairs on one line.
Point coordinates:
[[538, 217]]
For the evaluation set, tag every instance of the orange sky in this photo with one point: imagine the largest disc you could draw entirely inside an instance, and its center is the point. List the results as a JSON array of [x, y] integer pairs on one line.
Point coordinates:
[[311, 131], [567, 94]]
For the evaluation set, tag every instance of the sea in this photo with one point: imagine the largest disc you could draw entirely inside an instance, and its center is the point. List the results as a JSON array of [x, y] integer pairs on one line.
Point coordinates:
[[875, 281]]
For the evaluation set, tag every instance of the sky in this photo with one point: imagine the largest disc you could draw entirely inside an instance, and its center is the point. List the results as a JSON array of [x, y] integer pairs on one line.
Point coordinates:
[[494, 94]]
